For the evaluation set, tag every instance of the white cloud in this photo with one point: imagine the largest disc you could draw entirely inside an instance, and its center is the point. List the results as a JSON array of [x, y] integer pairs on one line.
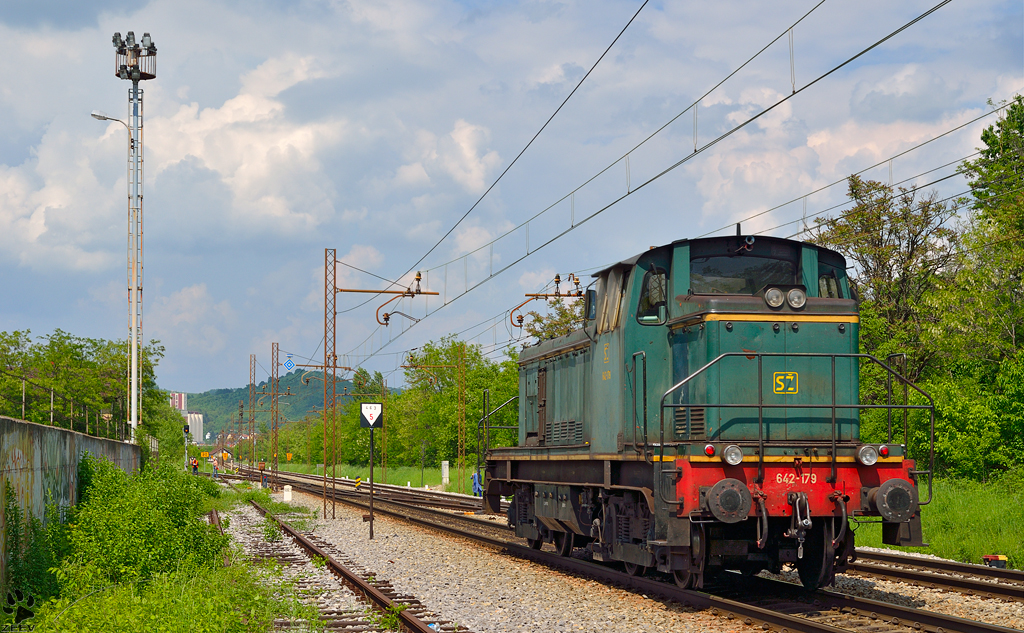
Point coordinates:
[[413, 175], [536, 280], [190, 321]]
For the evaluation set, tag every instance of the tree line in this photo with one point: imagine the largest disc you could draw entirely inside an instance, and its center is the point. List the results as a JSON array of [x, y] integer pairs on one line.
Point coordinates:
[[421, 420], [80, 383]]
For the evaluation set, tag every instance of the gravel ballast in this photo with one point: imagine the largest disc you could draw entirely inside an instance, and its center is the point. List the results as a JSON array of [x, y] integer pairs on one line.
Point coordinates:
[[315, 584], [484, 590]]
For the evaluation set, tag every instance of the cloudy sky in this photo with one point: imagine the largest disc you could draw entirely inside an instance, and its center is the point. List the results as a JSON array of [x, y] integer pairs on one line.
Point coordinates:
[[276, 129]]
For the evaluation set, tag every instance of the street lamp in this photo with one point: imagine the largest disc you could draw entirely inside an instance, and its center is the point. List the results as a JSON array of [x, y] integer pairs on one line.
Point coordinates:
[[135, 62]]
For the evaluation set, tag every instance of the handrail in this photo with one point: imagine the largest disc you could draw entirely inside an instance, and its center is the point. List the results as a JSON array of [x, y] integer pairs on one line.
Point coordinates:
[[903, 362], [636, 447], [834, 406], [486, 422]]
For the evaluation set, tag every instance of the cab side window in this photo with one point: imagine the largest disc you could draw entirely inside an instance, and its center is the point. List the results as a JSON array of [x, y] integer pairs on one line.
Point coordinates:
[[653, 297], [828, 287], [610, 289]]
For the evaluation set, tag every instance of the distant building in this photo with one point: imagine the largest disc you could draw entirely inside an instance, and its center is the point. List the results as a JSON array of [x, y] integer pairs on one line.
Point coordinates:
[[195, 424], [179, 401]]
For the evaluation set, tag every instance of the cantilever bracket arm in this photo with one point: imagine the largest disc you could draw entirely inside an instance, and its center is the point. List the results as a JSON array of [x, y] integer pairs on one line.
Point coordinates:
[[518, 321], [399, 295], [512, 313], [386, 315]]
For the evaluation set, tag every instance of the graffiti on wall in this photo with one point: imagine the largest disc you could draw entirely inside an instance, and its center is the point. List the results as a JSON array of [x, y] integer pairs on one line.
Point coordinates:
[[41, 465]]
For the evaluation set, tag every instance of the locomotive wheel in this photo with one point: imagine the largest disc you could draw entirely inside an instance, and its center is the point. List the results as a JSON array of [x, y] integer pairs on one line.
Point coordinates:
[[685, 579], [635, 570], [564, 543], [816, 567], [535, 543]]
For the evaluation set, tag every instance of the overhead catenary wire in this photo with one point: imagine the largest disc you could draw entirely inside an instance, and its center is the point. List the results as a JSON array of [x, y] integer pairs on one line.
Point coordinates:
[[662, 173], [956, 207], [516, 159], [866, 169], [846, 202]]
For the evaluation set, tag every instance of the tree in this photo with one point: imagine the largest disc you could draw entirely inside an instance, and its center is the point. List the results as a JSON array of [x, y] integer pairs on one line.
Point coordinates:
[[997, 176], [901, 246], [562, 318]]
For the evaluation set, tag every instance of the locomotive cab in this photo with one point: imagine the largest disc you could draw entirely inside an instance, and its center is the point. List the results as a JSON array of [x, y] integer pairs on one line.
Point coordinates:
[[708, 418]]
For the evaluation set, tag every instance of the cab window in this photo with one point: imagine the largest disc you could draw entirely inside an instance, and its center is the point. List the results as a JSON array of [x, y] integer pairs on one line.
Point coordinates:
[[828, 282], [653, 297], [739, 274]]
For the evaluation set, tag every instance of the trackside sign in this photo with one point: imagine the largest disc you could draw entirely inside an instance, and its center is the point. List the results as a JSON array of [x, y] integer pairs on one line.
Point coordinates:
[[371, 415]]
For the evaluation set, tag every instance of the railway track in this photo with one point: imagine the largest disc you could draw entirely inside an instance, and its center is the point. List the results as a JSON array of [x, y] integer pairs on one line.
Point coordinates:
[[405, 611], [434, 498], [975, 580], [776, 605]]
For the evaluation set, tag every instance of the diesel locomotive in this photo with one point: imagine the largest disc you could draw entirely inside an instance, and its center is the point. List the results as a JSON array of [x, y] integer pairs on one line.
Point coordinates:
[[707, 418]]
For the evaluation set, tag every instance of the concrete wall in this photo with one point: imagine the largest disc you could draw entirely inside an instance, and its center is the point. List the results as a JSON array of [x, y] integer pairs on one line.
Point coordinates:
[[41, 464]]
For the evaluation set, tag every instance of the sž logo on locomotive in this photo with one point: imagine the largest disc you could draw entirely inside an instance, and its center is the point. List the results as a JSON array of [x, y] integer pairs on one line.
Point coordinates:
[[786, 382]]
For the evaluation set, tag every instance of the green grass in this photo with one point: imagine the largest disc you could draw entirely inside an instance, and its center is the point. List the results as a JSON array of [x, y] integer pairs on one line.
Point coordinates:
[[967, 520], [239, 598]]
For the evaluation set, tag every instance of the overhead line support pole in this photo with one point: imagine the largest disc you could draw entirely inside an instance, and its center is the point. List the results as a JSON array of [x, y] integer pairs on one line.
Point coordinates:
[[252, 410], [330, 363]]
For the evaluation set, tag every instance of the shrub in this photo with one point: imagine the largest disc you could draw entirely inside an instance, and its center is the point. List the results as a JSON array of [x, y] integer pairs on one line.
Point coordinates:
[[131, 527]]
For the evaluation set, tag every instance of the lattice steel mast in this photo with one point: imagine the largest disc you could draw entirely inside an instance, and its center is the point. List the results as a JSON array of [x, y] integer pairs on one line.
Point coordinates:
[[135, 62]]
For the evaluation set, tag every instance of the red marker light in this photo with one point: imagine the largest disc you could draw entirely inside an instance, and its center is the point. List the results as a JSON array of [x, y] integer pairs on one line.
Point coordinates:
[[709, 450], [883, 451]]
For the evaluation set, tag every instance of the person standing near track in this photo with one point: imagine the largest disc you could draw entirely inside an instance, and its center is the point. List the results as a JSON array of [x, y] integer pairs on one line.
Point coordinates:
[[195, 466]]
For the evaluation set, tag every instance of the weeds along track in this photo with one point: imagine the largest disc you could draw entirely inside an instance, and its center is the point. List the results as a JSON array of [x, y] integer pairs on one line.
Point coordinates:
[[347, 597], [770, 605]]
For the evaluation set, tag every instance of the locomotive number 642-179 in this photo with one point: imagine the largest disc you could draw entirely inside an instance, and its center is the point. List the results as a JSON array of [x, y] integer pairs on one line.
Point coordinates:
[[707, 417]]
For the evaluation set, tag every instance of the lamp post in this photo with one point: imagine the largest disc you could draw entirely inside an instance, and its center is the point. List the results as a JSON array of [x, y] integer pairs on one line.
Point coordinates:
[[135, 62]]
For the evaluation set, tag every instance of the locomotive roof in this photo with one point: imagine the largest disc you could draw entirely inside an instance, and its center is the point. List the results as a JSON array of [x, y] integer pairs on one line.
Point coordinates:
[[634, 259]]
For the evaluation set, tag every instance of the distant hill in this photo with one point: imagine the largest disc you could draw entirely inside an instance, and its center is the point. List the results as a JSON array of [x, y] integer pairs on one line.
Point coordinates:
[[221, 405]]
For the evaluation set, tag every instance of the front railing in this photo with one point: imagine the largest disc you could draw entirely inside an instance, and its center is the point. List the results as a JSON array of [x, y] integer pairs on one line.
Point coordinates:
[[484, 426], [833, 406]]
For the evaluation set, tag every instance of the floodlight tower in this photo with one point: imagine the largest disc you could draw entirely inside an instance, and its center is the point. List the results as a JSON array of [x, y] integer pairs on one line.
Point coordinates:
[[135, 62]]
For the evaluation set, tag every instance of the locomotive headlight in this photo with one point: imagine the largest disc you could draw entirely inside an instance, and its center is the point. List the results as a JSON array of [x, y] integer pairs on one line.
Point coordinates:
[[797, 298], [867, 455], [732, 455], [774, 297]]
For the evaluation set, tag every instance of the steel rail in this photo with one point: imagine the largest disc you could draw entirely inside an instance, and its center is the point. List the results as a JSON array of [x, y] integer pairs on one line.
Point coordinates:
[[747, 613], [989, 586], [968, 586], [967, 569], [441, 499], [917, 619], [215, 521], [371, 593]]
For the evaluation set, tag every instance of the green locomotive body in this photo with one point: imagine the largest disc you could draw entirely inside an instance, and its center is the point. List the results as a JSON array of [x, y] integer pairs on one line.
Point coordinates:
[[707, 418]]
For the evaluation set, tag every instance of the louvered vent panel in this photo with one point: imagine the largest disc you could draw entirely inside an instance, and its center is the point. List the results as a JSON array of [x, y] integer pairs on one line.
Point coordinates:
[[564, 432], [697, 424]]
